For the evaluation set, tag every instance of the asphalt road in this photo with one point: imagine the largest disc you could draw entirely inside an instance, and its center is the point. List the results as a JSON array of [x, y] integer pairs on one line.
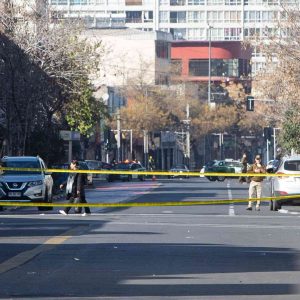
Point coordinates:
[[156, 252]]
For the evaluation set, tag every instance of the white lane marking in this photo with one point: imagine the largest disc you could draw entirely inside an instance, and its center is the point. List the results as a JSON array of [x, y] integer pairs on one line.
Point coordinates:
[[231, 205], [209, 225]]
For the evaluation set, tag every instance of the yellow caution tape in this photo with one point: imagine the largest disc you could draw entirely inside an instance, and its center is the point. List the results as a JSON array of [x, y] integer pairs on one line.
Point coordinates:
[[153, 173], [145, 204]]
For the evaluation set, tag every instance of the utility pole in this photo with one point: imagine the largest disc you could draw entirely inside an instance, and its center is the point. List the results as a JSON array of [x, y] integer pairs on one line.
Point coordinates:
[[118, 136], [146, 148], [188, 140], [209, 64]]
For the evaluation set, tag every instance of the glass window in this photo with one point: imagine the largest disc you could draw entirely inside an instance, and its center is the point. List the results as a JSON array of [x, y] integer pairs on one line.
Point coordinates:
[[196, 16], [232, 16], [178, 33], [148, 16], [217, 34], [215, 2], [164, 16], [162, 49], [232, 2], [195, 34], [215, 16], [292, 165], [164, 2], [133, 16], [23, 165], [198, 67], [177, 2], [59, 2], [219, 67], [77, 2], [232, 34], [196, 2], [177, 16]]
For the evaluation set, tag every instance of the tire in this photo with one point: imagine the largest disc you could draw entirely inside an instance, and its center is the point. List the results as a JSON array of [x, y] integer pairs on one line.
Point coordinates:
[[221, 178], [47, 199], [212, 178]]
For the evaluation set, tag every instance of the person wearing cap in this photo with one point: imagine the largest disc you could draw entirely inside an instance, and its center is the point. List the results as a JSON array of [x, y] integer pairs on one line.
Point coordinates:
[[75, 188], [255, 187]]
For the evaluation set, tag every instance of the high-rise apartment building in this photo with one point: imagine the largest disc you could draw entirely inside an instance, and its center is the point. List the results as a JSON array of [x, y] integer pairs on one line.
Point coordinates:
[[227, 20]]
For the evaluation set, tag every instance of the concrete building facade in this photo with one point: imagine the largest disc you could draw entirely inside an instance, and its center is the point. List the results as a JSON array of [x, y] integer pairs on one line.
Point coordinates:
[[228, 20]]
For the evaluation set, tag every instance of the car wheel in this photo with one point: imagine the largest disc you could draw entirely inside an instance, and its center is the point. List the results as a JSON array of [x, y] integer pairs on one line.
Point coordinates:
[[47, 199], [212, 178], [221, 178]]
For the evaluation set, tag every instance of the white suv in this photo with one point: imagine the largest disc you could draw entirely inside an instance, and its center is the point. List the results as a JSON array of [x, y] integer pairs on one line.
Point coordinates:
[[286, 185], [25, 186]]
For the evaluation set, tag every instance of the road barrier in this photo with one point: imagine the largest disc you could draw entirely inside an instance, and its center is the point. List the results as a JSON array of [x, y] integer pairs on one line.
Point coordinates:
[[21, 203], [145, 204], [152, 173]]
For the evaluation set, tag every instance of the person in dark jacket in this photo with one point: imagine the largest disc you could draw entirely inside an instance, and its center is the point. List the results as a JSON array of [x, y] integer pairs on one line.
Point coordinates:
[[255, 188], [75, 188]]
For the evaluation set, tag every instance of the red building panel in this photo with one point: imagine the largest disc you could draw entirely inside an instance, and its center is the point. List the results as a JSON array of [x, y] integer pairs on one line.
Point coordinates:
[[186, 50]]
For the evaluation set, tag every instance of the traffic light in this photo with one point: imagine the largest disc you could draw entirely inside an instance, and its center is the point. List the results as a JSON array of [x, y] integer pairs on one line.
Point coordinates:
[[250, 103], [268, 133]]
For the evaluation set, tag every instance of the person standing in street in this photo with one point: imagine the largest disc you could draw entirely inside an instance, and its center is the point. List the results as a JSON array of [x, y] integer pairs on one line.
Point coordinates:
[[255, 188], [244, 161], [75, 188]]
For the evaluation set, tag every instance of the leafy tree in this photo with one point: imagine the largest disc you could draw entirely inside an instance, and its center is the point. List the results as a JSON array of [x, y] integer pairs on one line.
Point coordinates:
[[290, 130], [46, 66]]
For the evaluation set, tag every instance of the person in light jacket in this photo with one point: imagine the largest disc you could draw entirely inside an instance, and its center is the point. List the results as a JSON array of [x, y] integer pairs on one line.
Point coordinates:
[[255, 188]]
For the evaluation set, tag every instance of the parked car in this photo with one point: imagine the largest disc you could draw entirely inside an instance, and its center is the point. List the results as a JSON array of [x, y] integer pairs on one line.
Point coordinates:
[[21, 186], [224, 166], [131, 166], [206, 166], [84, 166], [272, 165], [286, 185], [180, 170], [98, 165]]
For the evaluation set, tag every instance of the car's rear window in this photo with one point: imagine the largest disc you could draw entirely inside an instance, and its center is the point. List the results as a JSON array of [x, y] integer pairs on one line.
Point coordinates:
[[22, 165], [292, 165], [122, 167]]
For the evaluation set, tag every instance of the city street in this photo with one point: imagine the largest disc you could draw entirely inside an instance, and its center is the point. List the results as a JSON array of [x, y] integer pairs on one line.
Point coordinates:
[[154, 252]]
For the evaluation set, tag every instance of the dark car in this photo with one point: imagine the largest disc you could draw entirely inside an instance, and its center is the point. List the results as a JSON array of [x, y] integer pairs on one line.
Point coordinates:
[[98, 166], [123, 167]]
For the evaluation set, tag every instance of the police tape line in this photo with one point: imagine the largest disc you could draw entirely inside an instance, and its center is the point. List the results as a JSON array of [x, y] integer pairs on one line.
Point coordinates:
[[153, 173], [145, 204]]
